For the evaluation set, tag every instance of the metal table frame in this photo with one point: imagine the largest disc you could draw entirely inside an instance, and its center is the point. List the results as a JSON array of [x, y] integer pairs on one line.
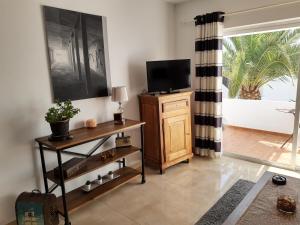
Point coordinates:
[[89, 154]]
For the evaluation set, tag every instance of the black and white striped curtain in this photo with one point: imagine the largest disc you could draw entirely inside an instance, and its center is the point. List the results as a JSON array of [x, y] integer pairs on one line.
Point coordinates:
[[208, 93]]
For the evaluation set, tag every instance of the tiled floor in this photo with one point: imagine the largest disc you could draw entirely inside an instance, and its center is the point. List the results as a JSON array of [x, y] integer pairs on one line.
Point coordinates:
[[258, 144], [179, 197]]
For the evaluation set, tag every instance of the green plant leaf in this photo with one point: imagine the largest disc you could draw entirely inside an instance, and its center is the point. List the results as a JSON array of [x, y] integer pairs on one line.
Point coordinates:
[[61, 111], [252, 61]]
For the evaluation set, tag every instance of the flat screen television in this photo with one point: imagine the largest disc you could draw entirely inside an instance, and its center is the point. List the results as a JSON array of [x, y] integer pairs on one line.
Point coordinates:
[[168, 75]]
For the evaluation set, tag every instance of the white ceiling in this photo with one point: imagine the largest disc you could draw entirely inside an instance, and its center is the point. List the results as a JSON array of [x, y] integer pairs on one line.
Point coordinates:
[[177, 1]]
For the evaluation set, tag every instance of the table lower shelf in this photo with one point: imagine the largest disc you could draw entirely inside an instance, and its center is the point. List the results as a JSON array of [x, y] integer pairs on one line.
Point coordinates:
[[94, 162], [78, 197]]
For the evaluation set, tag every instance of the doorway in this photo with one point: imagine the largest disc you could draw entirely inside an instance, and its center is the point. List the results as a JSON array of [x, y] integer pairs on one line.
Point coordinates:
[[260, 80]]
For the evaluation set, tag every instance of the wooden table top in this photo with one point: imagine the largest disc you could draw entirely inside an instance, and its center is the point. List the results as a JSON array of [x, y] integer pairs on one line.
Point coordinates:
[[84, 135]]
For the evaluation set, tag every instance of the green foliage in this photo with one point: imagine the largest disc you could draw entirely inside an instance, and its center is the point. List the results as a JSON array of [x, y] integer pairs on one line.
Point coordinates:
[[62, 111], [252, 61]]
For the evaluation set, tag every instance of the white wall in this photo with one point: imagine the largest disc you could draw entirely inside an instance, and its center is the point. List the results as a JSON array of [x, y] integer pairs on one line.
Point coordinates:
[[280, 91], [260, 115], [275, 90], [138, 30]]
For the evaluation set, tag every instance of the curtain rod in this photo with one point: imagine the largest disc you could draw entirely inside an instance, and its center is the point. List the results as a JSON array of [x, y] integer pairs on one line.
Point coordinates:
[[261, 7], [256, 9]]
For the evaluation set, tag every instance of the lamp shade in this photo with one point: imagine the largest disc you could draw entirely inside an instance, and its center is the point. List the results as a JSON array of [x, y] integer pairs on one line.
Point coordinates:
[[119, 94]]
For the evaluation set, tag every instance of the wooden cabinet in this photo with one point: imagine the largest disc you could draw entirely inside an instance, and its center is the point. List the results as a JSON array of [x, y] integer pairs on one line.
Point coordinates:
[[177, 136], [168, 138]]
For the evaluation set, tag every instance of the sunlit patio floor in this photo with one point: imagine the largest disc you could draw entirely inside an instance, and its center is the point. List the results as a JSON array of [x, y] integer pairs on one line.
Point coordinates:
[[258, 144]]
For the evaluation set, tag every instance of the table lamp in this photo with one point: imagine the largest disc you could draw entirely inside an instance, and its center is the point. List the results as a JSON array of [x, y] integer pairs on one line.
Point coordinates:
[[119, 94]]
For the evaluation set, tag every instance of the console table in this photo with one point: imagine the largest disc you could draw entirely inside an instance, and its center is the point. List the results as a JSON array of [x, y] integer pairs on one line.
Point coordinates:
[[75, 198]]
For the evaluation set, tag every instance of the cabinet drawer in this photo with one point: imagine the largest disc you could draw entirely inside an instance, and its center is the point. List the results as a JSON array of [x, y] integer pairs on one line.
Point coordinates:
[[176, 105]]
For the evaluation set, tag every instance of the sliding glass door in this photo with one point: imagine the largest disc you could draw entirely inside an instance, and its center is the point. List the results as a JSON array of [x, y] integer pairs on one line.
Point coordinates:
[[260, 89], [296, 135]]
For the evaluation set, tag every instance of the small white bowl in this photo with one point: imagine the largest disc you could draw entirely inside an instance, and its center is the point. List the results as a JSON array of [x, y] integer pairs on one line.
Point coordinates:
[[111, 176], [99, 181], [87, 187]]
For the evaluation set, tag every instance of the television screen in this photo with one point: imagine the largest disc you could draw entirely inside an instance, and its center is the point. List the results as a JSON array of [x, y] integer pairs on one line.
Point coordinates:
[[168, 75]]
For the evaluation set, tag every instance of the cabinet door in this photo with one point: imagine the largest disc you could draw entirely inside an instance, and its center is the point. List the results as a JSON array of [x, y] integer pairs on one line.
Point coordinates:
[[177, 136]]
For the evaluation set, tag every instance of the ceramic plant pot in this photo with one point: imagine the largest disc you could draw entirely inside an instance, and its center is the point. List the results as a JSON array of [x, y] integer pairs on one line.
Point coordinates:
[[60, 128]]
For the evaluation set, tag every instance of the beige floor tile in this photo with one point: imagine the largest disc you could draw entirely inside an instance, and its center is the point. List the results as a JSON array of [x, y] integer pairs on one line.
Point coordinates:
[[98, 213]]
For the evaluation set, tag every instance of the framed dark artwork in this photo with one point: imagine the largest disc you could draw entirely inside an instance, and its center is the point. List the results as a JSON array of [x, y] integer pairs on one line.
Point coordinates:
[[78, 54]]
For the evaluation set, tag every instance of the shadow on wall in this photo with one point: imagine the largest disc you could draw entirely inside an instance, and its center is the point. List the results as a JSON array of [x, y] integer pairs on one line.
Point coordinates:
[[19, 152], [136, 85], [10, 204], [106, 114], [36, 166], [22, 128]]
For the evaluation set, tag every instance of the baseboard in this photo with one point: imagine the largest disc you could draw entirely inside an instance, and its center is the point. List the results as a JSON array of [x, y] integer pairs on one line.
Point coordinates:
[[258, 161], [257, 130]]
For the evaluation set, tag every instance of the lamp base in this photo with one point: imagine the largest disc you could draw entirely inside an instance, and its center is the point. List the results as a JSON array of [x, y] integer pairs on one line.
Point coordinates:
[[118, 118]]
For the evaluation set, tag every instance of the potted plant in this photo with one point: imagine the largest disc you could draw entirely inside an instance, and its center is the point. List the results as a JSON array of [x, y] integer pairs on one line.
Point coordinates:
[[59, 116]]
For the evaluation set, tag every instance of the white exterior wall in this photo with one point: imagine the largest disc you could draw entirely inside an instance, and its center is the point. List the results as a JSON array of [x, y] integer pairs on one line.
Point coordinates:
[[261, 115]]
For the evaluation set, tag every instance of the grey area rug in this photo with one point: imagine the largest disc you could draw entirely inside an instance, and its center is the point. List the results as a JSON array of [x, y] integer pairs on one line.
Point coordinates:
[[217, 214]]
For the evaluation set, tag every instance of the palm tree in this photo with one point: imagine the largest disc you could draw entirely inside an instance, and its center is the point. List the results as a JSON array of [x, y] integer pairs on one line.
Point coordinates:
[[254, 60]]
